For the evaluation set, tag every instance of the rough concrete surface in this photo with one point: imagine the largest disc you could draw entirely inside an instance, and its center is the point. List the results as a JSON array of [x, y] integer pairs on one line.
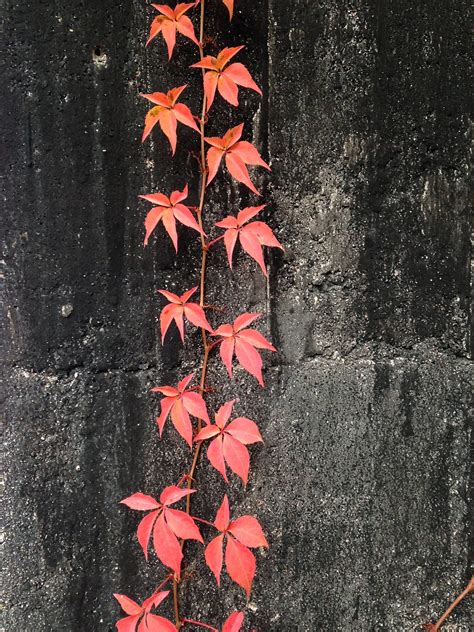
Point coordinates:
[[362, 484]]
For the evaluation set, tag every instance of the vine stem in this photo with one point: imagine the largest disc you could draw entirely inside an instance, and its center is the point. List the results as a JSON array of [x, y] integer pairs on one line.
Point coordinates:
[[202, 291], [469, 589]]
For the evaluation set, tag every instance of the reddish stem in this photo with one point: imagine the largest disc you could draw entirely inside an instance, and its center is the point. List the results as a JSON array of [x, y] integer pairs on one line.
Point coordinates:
[[469, 589], [202, 287], [167, 579], [214, 241], [204, 521]]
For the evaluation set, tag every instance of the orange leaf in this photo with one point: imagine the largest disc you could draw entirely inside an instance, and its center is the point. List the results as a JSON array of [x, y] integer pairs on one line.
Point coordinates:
[[238, 154], [230, 6], [170, 21], [167, 112]]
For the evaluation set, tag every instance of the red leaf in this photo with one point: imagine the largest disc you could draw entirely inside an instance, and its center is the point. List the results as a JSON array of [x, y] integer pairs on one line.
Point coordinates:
[[240, 563], [128, 624], [240, 75], [169, 210], [168, 314], [247, 152], [237, 155], [184, 382], [169, 223], [155, 600], [222, 519], [252, 236], [169, 22], [195, 314], [255, 338], [234, 622], [226, 54], [140, 502], [228, 89], [155, 623], [186, 28], [237, 457], [245, 319], [244, 344], [245, 430], [182, 525], [253, 247], [214, 555], [248, 531], [166, 405], [182, 422], [181, 403], [210, 84], [229, 446], [172, 494], [167, 112], [230, 7], [195, 405], [152, 220], [214, 157], [224, 412], [215, 454], [247, 213], [249, 359], [166, 545], [144, 530], [230, 239], [179, 307], [207, 433], [227, 352], [128, 605], [168, 124], [184, 116], [169, 391], [169, 35], [152, 117], [237, 167]]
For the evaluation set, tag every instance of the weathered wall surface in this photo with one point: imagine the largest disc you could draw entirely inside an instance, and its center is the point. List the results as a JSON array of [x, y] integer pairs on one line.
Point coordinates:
[[362, 484]]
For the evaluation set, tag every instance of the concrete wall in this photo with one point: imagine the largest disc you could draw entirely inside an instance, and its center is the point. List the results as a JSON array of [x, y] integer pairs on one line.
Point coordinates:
[[362, 484]]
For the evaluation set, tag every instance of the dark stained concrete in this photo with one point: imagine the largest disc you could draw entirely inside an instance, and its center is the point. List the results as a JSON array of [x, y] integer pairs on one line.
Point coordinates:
[[362, 484]]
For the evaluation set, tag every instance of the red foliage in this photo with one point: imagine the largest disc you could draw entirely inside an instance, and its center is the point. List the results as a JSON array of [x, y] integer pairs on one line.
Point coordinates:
[[237, 153], [237, 339], [141, 615], [227, 439], [251, 236], [225, 80], [181, 403], [166, 524], [168, 210], [167, 112], [240, 534], [170, 21], [178, 309]]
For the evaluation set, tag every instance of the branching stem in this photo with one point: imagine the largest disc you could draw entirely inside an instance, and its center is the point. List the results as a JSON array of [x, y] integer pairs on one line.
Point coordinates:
[[202, 290]]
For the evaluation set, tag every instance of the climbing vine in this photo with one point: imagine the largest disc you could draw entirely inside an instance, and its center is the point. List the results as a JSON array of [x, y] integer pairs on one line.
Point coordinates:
[[165, 528]]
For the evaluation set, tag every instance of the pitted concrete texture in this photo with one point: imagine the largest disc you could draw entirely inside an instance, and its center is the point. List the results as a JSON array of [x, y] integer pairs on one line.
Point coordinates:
[[362, 484]]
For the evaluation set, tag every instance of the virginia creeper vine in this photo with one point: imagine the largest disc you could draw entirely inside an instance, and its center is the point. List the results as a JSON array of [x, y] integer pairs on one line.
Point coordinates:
[[168, 527]]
